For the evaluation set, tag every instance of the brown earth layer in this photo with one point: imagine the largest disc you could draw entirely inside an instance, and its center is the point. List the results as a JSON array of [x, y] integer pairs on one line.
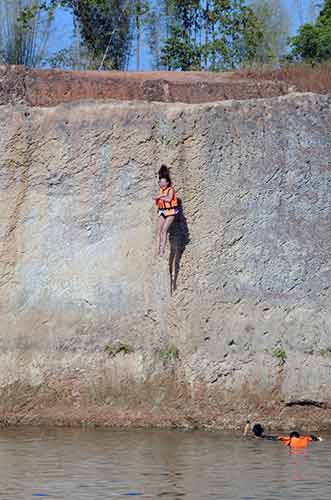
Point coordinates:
[[52, 87]]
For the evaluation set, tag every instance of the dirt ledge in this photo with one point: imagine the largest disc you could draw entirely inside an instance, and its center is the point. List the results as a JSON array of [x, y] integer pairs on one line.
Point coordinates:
[[48, 88]]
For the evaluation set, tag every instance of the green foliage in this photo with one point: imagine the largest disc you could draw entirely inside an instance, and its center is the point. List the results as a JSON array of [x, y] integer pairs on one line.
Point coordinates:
[[179, 52], [24, 31], [139, 10], [153, 36], [104, 27], [279, 353], [169, 353], [313, 42], [181, 34], [326, 352], [274, 24], [117, 348], [74, 57], [215, 35]]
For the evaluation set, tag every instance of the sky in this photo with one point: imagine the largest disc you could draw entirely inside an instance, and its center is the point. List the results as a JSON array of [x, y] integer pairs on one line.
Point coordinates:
[[62, 33]]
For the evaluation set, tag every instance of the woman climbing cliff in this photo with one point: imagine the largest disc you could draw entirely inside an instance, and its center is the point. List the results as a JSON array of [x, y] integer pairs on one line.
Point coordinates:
[[166, 201]]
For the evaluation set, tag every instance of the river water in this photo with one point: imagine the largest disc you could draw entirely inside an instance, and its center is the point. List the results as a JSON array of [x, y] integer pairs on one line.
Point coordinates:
[[105, 464]]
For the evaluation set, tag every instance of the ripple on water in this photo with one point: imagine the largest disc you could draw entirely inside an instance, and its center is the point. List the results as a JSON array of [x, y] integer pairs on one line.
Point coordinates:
[[79, 465]]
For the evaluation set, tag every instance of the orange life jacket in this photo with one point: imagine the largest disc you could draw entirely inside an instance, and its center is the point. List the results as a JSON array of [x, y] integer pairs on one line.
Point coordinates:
[[169, 207], [294, 442]]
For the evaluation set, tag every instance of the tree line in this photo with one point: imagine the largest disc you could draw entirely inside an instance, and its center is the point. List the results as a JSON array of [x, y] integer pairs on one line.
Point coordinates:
[[213, 35]]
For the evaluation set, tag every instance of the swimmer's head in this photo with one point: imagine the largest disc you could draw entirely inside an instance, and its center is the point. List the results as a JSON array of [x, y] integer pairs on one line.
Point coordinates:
[[294, 434], [258, 430]]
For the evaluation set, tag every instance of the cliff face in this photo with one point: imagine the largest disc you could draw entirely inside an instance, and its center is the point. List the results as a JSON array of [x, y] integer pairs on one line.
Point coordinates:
[[234, 322]]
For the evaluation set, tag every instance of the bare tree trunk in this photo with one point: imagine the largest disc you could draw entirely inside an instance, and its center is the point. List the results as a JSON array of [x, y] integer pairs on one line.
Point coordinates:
[[206, 33], [23, 43], [138, 34]]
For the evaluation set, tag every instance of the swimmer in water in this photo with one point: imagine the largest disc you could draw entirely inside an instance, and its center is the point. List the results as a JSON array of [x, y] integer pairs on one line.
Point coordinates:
[[293, 440]]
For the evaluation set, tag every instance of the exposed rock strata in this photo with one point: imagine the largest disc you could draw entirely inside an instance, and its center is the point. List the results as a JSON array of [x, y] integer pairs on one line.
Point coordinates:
[[247, 298]]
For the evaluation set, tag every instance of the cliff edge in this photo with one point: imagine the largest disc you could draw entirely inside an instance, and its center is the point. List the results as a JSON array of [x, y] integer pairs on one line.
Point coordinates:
[[52, 87]]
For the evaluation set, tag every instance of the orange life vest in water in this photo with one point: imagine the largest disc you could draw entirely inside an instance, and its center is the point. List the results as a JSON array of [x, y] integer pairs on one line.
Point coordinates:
[[295, 442], [168, 207]]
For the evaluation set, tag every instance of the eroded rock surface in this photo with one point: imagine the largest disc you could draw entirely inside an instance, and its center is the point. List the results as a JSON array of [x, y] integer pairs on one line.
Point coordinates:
[[235, 322]]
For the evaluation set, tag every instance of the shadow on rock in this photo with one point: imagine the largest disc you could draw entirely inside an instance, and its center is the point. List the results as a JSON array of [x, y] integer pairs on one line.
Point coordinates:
[[179, 237]]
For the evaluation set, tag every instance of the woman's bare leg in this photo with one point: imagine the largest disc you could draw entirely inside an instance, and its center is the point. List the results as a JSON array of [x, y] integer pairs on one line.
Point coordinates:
[[159, 229], [164, 232]]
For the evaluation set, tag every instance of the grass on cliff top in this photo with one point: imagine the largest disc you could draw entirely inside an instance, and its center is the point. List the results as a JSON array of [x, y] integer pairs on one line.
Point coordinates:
[[304, 77]]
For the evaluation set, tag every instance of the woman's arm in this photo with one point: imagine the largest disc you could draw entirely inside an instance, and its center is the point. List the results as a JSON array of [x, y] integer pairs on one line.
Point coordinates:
[[165, 197]]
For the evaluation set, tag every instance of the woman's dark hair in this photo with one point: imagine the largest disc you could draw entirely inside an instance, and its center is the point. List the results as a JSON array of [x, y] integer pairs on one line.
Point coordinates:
[[294, 434], [165, 174]]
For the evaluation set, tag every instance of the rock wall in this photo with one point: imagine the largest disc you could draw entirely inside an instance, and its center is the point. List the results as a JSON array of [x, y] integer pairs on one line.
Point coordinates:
[[234, 322]]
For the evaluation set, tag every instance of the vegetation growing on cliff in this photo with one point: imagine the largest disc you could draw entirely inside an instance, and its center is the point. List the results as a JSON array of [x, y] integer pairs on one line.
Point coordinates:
[[118, 348], [279, 353], [169, 353]]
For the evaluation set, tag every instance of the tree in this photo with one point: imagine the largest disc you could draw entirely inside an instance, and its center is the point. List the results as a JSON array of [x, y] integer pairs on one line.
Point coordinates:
[[179, 52], [24, 32], [211, 34], [153, 36], [104, 27], [236, 34], [139, 12], [74, 57], [275, 25], [181, 49], [241, 36], [313, 42], [323, 26]]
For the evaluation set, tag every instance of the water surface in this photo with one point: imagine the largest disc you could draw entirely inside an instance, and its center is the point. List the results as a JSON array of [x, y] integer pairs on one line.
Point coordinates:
[[103, 464]]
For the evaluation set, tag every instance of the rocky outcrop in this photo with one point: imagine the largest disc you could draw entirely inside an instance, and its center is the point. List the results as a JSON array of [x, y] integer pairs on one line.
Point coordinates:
[[234, 322]]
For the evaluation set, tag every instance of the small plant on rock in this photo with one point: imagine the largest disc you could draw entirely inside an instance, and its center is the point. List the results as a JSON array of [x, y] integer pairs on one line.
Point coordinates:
[[326, 352], [279, 353], [169, 353], [117, 348]]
